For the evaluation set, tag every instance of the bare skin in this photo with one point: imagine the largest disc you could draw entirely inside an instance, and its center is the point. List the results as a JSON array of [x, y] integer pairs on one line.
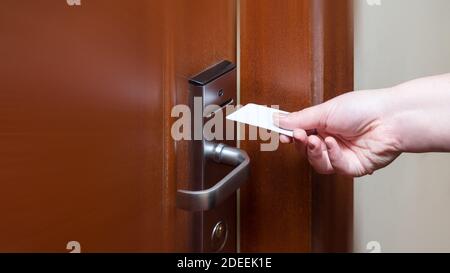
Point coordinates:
[[361, 132]]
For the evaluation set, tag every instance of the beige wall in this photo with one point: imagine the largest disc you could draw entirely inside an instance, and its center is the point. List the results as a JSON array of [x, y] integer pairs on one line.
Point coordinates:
[[406, 206]]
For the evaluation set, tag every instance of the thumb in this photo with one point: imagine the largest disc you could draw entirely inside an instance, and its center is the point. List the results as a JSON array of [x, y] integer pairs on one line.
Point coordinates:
[[306, 119]]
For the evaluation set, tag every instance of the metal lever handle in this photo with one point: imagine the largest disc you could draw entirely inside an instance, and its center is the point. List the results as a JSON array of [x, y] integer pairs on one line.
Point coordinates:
[[210, 198]]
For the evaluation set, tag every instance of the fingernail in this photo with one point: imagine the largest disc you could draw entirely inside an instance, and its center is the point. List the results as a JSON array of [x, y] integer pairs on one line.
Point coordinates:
[[311, 146]]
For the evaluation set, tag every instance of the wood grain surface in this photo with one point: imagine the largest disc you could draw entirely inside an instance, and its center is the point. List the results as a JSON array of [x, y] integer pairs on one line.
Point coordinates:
[[294, 53]]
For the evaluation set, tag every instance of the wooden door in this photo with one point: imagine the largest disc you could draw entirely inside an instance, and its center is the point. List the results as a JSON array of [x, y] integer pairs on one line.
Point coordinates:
[[87, 162], [86, 90], [294, 54]]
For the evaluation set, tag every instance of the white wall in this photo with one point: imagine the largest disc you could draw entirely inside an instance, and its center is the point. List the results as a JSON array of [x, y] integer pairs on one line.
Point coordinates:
[[406, 206]]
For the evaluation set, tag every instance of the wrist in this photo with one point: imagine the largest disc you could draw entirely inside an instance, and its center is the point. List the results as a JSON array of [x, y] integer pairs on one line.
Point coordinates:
[[392, 117], [419, 114]]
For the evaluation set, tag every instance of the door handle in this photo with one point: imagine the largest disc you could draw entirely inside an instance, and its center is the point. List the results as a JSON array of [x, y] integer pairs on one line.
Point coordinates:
[[208, 199]]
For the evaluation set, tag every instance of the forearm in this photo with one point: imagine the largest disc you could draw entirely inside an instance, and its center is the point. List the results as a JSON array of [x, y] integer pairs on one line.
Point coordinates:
[[420, 113]]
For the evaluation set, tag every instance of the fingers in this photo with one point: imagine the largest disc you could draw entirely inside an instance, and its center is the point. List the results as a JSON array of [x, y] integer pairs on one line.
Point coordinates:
[[336, 156], [314, 147], [309, 118], [301, 140], [300, 136], [285, 139], [325, 155], [318, 156]]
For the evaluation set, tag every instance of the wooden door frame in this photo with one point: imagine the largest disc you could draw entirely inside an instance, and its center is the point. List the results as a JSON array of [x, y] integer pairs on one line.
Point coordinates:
[[326, 53], [332, 209]]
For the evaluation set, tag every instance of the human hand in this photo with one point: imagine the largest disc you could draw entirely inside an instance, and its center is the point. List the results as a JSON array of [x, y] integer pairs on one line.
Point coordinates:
[[355, 134]]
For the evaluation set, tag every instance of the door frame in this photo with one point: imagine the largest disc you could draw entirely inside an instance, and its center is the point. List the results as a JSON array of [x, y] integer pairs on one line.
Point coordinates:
[[323, 43]]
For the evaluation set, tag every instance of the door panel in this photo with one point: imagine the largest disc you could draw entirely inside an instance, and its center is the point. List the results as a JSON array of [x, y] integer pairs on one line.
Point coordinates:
[[85, 102], [295, 54], [332, 204], [277, 198]]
